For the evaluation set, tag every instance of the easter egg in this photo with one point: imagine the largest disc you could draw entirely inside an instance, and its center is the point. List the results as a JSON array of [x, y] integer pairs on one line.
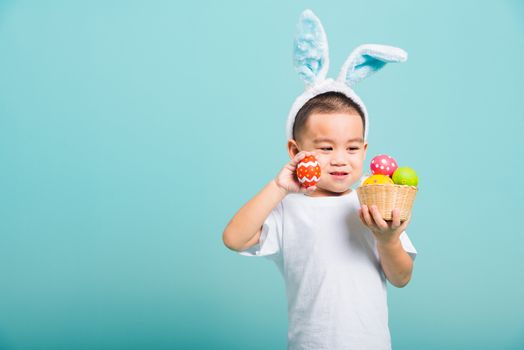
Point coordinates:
[[308, 171], [405, 176], [383, 164], [378, 179]]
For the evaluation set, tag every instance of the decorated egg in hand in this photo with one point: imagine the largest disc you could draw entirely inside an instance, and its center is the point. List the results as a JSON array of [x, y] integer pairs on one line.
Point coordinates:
[[405, 176], [308, 171], [378, 179], [383, 164]]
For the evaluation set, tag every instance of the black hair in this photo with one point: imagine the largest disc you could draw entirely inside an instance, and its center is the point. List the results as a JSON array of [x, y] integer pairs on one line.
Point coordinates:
[[327, 102]]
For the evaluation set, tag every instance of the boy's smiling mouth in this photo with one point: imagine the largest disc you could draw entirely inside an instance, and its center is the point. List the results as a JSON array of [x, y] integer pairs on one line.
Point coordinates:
[[339, 175]]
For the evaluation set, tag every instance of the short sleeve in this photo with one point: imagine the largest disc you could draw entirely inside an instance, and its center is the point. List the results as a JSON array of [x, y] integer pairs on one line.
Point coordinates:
[[407, 245], [271, 236]]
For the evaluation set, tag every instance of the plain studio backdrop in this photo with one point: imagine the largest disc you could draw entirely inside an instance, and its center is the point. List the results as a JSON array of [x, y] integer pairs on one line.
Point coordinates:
[[132, 131]]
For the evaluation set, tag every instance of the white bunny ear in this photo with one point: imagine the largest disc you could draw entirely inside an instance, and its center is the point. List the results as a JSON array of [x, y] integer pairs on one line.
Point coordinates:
[[310, 50], [367, 59]]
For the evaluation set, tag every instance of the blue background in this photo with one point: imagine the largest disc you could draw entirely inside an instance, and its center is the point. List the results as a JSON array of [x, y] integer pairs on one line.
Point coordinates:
[[132, 131]]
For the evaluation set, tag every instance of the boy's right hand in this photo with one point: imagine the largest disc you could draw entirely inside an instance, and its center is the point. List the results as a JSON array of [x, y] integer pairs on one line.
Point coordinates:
[[287, 179]]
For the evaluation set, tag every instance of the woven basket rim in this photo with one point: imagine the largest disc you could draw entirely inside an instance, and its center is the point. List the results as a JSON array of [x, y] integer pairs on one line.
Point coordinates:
[[396, 185], [383, 185]]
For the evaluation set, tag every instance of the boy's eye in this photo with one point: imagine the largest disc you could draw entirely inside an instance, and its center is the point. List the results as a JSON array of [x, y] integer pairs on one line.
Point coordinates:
[[329, 148]]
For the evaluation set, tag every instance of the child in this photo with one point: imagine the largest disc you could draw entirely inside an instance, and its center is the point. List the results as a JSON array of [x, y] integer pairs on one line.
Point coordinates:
[[334, 255]]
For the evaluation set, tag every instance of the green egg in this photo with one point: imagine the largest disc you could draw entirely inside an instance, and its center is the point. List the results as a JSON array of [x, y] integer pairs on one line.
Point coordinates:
[[405, 176]]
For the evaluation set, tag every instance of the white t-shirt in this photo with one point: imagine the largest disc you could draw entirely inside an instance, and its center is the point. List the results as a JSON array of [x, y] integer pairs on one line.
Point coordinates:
[[335, 285]]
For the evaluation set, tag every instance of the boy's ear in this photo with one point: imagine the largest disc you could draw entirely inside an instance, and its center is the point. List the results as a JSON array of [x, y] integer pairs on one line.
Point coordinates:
[[310, 49], [292, 148], [368, 59]]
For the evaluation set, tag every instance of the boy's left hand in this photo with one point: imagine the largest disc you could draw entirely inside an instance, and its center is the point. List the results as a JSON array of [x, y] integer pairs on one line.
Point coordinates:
[[384, 231]]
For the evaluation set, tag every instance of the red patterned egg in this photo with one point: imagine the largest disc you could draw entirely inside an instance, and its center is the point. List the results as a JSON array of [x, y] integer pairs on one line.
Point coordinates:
[[308, 171], [383, 165]]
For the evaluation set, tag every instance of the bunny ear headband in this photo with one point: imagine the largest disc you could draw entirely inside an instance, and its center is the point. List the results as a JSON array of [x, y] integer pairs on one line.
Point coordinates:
[[311, 60]]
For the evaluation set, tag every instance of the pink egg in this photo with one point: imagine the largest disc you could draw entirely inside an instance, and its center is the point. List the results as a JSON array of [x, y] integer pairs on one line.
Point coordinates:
[[383, 164]]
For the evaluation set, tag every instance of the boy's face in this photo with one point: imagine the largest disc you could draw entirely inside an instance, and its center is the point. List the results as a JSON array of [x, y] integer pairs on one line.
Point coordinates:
[[337, 142]]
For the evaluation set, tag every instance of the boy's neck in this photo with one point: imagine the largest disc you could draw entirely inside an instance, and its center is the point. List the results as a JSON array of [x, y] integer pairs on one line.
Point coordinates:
[[330, 194]]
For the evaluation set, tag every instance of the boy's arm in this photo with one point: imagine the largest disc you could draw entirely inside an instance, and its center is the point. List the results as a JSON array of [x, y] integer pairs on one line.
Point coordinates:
[[243, 231], [395, 261]]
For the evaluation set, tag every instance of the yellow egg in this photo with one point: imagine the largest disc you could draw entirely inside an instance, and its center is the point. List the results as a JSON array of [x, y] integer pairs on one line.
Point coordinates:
[[378, 179]]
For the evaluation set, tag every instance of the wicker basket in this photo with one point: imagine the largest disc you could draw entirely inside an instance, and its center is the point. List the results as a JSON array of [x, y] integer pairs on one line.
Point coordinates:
[[386, 197]]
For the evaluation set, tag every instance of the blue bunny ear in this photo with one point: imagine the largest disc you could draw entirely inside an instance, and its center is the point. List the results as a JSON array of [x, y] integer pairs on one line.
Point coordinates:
[[310, 49], [367, 59]]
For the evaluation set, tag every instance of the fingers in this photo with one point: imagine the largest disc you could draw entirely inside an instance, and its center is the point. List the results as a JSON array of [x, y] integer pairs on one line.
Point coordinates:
[[292, 164], [311, 189], [308, 189], [405, 223], [301, 155], [395, 222], [368, 221], [361, 215], [380, 223], [370, 216]]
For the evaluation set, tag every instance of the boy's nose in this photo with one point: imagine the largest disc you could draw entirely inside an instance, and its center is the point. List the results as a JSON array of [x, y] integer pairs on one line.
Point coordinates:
[[338, 160]]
